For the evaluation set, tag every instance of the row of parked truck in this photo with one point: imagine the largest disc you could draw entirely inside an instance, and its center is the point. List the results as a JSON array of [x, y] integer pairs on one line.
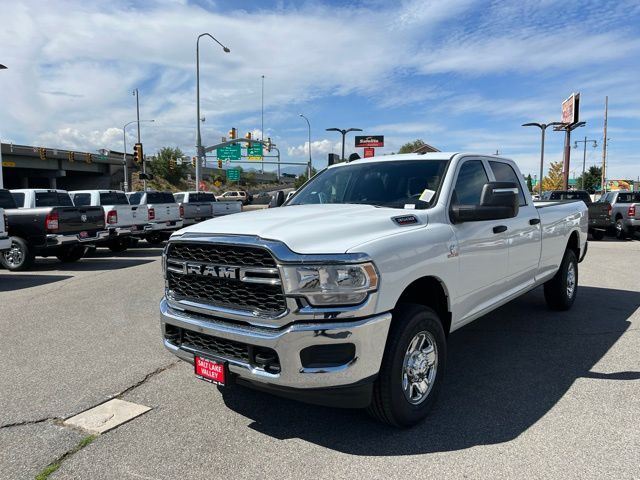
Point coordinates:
[[46, 222]]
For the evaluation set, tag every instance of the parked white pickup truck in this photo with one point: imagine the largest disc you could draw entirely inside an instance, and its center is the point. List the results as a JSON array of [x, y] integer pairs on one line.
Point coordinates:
[[199, 206], [121, 219], [163, 211], [346, 295]]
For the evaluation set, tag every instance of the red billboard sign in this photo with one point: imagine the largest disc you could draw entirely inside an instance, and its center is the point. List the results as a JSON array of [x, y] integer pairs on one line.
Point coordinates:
[[571, 109], [369, 141], [369, 152]]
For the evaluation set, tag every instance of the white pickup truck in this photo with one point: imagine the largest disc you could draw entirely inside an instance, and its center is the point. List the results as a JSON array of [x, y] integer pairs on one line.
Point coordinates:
[[199, 206], [5, 241], [346, 295], [121, 219], [163, 211]]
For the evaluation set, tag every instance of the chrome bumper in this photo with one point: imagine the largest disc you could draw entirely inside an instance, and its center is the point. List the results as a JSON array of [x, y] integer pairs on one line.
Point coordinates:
[[368, 335], [54, 239], [162, 226]]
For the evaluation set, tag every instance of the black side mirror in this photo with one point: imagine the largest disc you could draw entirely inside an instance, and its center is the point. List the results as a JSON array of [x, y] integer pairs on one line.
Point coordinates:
[[498, 200]]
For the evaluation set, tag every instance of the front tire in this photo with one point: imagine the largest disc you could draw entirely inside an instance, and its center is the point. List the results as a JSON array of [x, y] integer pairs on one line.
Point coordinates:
[[19, 257], [560, 292], [621, 231], [597, 234], [412, 368]]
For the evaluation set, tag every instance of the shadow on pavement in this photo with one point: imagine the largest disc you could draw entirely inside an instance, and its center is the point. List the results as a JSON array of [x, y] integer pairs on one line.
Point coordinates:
[[85, 264], [10, 282], [505, 371]]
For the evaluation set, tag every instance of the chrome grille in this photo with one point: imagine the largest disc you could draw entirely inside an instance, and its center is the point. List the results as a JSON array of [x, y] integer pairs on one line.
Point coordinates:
[[232, 293]]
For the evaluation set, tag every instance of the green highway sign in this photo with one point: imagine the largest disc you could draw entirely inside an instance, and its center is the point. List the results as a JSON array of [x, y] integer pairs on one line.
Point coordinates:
[[233, 174], [229, 152], [255, 152]]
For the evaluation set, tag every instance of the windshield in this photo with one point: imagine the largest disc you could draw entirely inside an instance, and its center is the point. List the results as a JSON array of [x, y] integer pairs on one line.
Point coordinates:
[[386, 184]]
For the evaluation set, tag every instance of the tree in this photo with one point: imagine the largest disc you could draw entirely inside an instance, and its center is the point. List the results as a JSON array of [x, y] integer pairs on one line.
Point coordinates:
[[555, 180], [591, 180], [411, 147], [529, 183], [302, 178], [168, 165]]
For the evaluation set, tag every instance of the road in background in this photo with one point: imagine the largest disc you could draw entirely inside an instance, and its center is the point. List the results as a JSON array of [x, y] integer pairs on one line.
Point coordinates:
[[529, 393]]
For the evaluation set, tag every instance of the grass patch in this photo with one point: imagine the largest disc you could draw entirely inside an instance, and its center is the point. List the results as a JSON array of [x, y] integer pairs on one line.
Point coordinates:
[[52, 467]]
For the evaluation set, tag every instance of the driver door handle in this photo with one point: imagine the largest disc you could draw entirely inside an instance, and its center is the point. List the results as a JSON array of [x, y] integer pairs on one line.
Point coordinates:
[[534, 221], [500, 229]]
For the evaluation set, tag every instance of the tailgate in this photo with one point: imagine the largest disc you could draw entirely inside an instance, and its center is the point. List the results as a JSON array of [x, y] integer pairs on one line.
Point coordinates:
[[79, 219], [599, 211], [129, 215], [166, 212], [197, 210]]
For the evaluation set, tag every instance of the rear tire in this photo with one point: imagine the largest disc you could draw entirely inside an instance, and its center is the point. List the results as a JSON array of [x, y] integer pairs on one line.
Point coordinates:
[[597, 234], [621, 231], [412, 368], [560, 292], [154, 239], [71, 254], [118, 245], [19, 257]]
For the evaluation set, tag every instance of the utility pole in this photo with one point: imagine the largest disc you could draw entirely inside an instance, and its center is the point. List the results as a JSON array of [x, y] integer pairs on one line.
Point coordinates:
[[262, 122], [567, 128], [584, 155], [604, 146]]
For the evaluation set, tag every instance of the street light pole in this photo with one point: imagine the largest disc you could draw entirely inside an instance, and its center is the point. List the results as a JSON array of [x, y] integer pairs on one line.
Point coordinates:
[[2, 67], [309, 163], [584, 156], [344, 133], [124, 154], [543, 128], [199, 152]]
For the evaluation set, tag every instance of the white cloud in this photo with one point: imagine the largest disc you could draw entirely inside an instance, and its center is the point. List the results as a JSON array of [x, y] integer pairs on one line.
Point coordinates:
[[318, 147]]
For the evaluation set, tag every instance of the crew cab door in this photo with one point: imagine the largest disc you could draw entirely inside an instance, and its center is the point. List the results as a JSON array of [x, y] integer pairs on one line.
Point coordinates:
[[482, 252], [523, 232]]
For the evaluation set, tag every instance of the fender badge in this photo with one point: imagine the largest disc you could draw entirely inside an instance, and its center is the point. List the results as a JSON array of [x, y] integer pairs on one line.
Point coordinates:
[[405, 220]]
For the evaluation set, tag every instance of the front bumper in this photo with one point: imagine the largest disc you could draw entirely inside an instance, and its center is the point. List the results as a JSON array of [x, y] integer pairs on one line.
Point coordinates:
[[367, 335], [55, 240]]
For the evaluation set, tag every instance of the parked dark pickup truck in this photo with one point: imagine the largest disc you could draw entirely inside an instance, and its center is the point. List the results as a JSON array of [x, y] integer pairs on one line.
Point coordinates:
[[45, 223], [599, 212]]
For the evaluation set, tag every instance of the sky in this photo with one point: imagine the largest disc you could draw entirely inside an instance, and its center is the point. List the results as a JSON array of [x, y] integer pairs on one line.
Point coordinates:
[[462, 75]]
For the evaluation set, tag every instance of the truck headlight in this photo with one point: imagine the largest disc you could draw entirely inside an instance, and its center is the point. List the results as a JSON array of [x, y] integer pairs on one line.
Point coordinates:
[[325, 285]]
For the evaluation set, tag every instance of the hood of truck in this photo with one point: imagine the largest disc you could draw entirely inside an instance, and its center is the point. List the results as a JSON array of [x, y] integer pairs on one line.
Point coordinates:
[[314, 229]]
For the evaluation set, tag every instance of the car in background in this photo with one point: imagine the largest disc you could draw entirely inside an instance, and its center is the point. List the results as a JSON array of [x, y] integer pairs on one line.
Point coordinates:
[[5, 242], [625, 212], [599, 212], [45, 222], [236, 196], [121, 219], [163, 215], [218, 208]]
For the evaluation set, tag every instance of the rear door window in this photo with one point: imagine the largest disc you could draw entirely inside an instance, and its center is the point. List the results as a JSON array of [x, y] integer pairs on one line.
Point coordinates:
[[6, 199], [18, 197], [504, 173]]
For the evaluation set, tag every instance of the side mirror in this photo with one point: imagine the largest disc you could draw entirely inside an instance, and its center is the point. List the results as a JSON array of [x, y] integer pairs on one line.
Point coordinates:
[[498, 200]]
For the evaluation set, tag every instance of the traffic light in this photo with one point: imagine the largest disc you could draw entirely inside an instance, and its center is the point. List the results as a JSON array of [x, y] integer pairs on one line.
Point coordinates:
[[72, 157], [219, 163], [193, 161], [172, 164], [233, 134], [43, 153], [248, 137], [137, 153], [269, 144]]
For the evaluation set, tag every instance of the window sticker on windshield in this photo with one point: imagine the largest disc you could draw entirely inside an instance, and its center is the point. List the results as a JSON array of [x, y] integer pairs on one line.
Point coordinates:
[[427, 195]]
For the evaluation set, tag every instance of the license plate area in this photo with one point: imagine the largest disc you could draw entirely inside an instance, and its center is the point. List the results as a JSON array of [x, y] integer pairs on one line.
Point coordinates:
[[210, 370]]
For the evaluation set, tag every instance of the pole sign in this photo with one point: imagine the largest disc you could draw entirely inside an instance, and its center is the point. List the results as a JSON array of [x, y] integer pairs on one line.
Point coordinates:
[[229, 152], [571, 109], [369, 141], [254, 152], [369, 152], [233, 174]]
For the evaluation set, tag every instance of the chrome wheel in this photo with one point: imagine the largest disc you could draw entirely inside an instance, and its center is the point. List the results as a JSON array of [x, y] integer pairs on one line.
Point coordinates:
[[571, 280], [14, 256], [419, 367]]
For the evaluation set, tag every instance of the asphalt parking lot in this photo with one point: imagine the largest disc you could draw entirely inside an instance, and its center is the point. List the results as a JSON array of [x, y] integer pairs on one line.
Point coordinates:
[[529, 393]]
